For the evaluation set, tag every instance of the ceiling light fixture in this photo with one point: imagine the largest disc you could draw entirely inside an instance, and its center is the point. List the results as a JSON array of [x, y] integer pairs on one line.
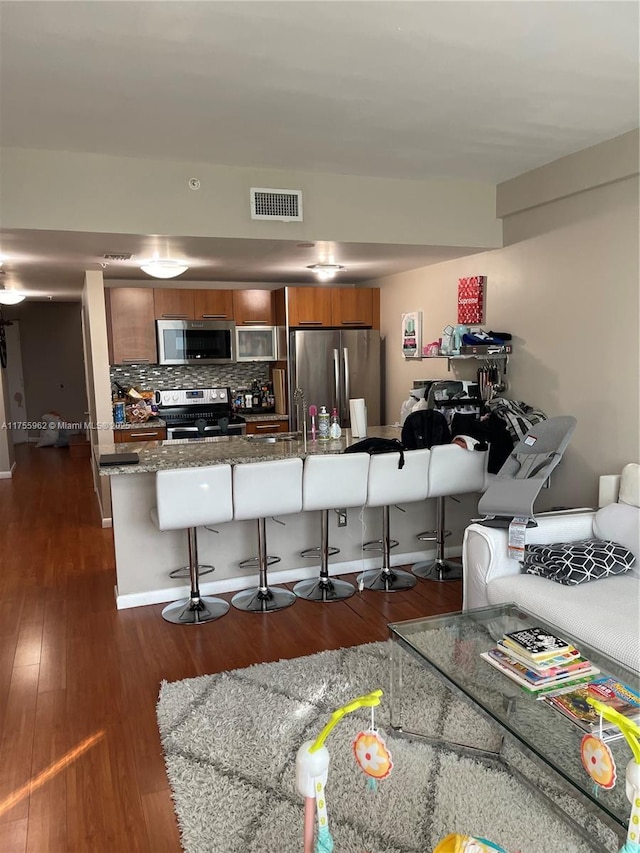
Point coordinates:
[[10, 297], [163, 268], [325, 272]]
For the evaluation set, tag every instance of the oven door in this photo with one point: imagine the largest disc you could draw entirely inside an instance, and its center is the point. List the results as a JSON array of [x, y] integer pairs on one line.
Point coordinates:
[[179, 433], [195, 342]]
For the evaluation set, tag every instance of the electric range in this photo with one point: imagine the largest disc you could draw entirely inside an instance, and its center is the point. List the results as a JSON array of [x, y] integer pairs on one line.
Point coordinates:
[[198, 413]]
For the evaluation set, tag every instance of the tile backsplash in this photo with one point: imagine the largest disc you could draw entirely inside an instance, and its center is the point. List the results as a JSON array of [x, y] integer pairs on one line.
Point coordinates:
[[166, 377]]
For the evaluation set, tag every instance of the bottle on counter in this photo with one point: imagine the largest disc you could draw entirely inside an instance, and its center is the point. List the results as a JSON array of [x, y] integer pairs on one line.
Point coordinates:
[[323, 424], [335, 430]]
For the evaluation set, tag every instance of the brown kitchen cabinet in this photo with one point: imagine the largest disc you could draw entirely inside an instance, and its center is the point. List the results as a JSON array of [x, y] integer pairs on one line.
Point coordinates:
[[213, 304], [259, 427], [354, 306], [253, 307], [131, 332], [143, 432], [309, 306], [172, 303]]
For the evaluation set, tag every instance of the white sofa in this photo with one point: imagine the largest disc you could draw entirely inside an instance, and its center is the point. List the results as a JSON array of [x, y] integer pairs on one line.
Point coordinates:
[[604, 613]]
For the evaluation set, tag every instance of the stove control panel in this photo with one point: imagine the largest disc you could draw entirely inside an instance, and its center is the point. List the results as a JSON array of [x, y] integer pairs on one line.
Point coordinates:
[[193, 396]]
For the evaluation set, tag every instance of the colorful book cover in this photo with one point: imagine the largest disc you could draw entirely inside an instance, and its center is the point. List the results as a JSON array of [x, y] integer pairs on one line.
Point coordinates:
[[608, 690], [471, 300], [538, 643], [537, 690], [570, 662], [536, 678]]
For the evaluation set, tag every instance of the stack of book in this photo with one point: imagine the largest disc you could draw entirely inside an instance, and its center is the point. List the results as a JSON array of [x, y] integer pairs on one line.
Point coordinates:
[[539, 662], [609, 691]]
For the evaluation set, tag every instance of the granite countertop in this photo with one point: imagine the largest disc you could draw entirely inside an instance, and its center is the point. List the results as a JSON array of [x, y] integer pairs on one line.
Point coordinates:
[[152, 422], [267, 416], [232, 450]]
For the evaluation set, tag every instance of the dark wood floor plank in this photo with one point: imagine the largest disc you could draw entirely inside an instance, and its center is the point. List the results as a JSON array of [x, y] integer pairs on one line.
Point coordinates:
[[89, 674]]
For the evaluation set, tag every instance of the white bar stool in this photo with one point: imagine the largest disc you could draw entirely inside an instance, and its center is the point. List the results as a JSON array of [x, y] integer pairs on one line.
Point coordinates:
[[187, 499], [329, 482], [452, 471], [388, 485], [262, 489]]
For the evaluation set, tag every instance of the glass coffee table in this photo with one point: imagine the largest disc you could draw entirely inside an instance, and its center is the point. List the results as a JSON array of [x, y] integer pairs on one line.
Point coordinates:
[[450, 646]]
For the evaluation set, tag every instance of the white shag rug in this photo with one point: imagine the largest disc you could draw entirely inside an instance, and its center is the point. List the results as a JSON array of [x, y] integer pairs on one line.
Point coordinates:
[[230, 743]]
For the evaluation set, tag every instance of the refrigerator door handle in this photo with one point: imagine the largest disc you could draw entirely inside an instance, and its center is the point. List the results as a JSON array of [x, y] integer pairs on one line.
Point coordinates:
[[336, 370], [347, 383]]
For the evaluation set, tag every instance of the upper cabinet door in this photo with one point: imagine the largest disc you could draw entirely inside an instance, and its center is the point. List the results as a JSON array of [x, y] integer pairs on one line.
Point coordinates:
[[253, 307], [213, 304], [130, 327], [309, 306], [352, 306], [173, 303]]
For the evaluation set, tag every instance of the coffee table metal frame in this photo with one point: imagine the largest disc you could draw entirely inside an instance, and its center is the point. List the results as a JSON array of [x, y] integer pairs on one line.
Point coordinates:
[[500, 700]]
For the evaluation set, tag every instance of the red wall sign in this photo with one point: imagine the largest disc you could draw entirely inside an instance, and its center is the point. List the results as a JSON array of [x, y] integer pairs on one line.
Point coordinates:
[[471, 300]]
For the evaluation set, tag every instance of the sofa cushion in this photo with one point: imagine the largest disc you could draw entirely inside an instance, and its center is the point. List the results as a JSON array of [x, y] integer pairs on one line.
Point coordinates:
[[605, 613], [630, 485], [620, 523], [571, 563]]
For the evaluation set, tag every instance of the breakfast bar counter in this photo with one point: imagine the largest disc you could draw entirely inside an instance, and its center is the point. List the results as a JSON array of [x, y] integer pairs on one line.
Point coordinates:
[[145, 556], [232, 450]]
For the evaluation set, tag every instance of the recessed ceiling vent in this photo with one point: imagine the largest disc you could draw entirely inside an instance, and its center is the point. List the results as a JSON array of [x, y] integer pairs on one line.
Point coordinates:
[[117, 256], [284, 205]]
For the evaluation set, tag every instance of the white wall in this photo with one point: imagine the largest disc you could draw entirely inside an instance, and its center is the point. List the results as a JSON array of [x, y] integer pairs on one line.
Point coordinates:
[[98, 382], [57, 190], [7, 457], [567, 288]]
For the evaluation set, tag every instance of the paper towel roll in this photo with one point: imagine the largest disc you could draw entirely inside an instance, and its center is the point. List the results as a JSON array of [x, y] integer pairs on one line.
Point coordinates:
[[358, 413]]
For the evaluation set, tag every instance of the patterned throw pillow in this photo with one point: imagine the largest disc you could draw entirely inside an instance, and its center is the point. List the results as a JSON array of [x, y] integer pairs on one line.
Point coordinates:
[[571, 563]]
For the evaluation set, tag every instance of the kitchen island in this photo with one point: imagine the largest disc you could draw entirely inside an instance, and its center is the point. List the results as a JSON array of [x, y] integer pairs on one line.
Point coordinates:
[[145, 555]]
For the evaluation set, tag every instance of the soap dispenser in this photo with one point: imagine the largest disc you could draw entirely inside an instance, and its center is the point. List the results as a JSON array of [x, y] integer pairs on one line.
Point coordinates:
[[335, 431], [323, 424]]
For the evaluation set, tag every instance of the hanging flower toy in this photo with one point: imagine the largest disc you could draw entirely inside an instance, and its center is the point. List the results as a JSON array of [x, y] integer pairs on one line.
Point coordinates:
[[601, 767], [312, 769]]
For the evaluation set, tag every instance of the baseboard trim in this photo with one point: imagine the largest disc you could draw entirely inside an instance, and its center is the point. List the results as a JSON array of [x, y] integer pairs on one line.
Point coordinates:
[[7, 475], [161, 596]]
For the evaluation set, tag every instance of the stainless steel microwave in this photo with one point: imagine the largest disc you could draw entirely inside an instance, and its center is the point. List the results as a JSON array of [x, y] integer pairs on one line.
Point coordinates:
[[195, 341]]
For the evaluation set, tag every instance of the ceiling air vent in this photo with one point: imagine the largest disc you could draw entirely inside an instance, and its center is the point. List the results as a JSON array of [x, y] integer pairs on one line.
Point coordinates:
[[285, 205], [117, 256]]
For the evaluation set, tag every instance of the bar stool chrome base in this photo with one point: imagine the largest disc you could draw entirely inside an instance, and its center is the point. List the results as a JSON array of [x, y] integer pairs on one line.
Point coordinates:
[[195, 611], [437, 570], [324, 589], [185, 571], [387, 580], [263, 599]]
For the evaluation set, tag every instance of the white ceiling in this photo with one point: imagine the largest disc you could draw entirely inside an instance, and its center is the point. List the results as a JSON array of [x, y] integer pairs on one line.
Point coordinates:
[[45, 263], [479, 90], [475, 90]]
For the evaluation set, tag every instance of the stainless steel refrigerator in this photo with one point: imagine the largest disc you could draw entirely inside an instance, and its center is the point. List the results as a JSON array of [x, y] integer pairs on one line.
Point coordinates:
[[333, 366]]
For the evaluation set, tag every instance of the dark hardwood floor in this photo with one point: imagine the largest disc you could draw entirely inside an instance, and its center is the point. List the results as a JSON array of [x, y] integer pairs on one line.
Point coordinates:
[[81, 766]]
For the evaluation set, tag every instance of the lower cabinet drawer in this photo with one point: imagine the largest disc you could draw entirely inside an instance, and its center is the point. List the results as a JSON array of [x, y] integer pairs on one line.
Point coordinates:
[[257, 427], [126, 436]]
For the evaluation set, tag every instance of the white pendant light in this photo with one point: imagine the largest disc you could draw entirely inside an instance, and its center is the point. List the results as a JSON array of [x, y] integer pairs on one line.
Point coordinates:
[[325, 272], [163, 268], [10, 297]]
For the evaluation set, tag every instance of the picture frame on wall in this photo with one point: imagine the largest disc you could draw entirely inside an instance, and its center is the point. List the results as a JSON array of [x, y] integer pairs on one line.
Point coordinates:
[[412, 334]]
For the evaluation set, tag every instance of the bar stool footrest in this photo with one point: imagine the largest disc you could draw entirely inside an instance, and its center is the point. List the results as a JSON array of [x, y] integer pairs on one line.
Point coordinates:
[[378, 545], [183, 571], [315, 552], [254, 562], [432, 535]]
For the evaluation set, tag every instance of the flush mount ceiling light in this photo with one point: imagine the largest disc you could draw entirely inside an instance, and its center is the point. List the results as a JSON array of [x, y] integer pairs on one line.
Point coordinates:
[[10, 297], [163, 268], [325, 272]]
